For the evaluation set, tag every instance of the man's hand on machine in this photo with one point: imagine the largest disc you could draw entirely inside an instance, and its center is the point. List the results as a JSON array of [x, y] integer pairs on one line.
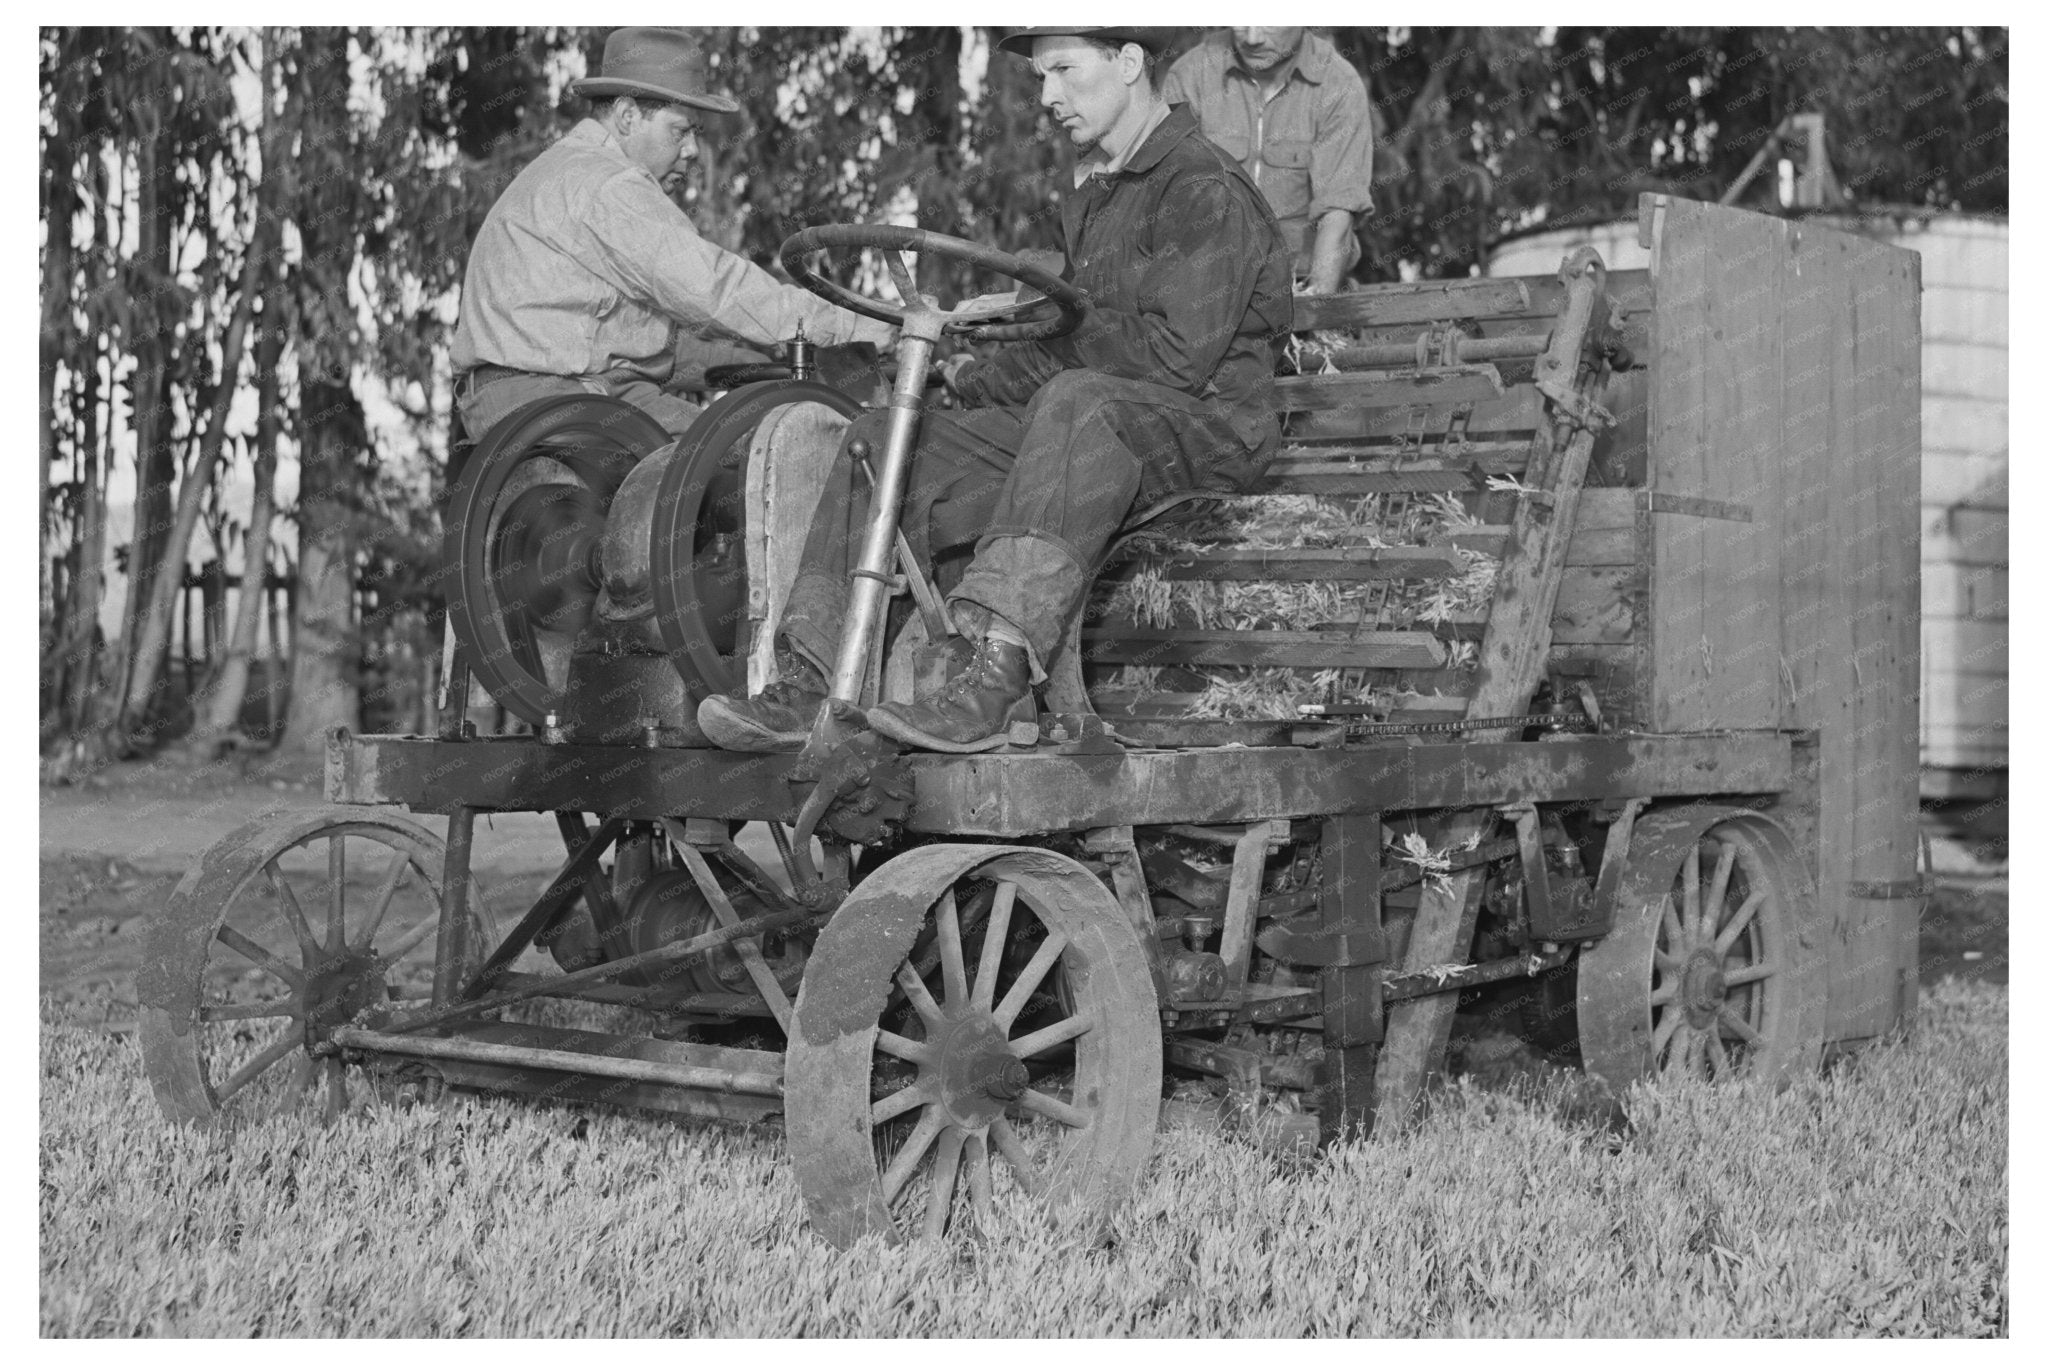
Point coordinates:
[[950, 370]]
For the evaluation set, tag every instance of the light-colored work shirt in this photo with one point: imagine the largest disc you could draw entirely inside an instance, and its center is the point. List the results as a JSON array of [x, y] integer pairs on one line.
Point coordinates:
[[585, 267], [1308, 145]]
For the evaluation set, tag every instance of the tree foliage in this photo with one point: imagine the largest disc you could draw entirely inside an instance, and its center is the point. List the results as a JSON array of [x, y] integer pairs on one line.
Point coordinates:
[[393, 144]]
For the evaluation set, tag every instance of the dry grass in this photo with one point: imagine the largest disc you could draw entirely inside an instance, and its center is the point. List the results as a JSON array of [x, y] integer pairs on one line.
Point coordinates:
[[1294, 521], [1868, 1201]]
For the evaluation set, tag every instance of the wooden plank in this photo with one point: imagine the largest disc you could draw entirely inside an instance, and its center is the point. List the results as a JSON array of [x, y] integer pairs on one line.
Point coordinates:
[[1382, 305], [1595, 606], [1717, 408], [1511, 664], [1382, 474], [1349, 895], [1263, 648], [1519, 410], [1350, 564], [1389, 388]]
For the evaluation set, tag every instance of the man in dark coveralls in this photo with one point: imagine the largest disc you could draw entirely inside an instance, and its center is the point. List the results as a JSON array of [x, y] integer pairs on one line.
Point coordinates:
[[1166, 386]]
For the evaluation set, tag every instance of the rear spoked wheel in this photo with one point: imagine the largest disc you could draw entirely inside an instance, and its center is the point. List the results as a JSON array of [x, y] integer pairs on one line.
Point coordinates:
[[1712, 970], [293, 925], [977, 1025]]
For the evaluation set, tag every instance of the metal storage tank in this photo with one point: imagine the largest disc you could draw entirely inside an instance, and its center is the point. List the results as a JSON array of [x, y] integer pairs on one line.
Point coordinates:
[[1964, 443]]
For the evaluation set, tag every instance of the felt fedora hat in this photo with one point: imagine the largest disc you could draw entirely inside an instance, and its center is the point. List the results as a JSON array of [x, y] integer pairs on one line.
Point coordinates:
[[1153, 40], [658, 63]]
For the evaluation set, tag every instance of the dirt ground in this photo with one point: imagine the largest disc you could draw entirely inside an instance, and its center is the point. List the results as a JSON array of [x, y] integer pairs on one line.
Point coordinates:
[[113, 848]]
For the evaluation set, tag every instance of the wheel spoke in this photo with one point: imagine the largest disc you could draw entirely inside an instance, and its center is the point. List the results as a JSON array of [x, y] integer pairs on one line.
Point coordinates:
[[295, 1089], [1668, 962], [1696, 1052], [1012, 1148], [1739, 921], [945, 1171], [387, 891], [1743, 976], [1028, 979], [900, 273], [896, 1045], [898, 1174], [1045, 1106], [952, 960], [980, 1190], [309, 947], [901, 1102], [337, 1091], [1737, 1025], [920, 998], [1665, 1028], [1031, 1044], [289, 1042], [261, 1009], [256, 953], [992, 942], [1689, 913], [412, 938], [337, 883], [1717, 1054], [1717, 892], [1665, 993], [1673, 934]]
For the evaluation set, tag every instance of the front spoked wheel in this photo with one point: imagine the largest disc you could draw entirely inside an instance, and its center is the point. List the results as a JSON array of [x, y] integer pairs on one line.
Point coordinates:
[[288, 928], [978, 1024]]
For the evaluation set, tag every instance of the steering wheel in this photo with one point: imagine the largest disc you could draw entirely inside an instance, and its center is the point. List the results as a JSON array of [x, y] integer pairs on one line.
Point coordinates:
[[1058, 313]]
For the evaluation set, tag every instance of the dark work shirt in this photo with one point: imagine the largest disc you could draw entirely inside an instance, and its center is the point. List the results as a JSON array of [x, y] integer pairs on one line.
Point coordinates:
[[1189, 282]]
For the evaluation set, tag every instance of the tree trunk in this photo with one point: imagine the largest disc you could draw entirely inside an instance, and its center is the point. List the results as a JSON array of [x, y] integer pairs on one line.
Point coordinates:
[[82, 605], [217, 712], [156, 460], [153, 637], [60, 206], [326, 676], [326, 681]]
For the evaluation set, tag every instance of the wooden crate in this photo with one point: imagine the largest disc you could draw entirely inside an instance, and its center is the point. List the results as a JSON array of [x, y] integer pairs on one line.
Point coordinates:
[[1751, 560]]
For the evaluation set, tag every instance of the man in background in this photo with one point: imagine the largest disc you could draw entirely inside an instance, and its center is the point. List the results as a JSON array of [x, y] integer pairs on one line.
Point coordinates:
[[1295, 114], [586, 274]]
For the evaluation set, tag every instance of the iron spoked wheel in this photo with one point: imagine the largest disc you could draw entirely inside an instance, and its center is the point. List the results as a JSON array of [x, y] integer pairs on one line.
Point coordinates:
[[927, 1068], [522, 536], [1711, 970], [699, 571], [294, 924]]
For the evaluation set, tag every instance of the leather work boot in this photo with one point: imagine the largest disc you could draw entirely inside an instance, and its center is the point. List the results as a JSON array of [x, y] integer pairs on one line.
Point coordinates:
[[776, 721], [972, 712]]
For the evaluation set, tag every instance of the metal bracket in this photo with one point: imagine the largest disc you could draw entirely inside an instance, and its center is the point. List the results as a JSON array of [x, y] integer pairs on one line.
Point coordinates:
[[1321, 947]]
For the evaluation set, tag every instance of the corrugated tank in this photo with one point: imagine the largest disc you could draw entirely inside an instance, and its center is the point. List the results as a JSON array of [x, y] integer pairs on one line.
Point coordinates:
[[1964, 443]]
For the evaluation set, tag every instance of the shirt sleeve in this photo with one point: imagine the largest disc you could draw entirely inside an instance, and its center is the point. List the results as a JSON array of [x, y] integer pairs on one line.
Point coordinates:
[[1192, 294], [1175, 90], [1340, 166], [650, 249]]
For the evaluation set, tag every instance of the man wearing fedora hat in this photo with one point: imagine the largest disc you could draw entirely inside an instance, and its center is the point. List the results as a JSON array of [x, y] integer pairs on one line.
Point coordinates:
[[586, 273], [1166, 386]]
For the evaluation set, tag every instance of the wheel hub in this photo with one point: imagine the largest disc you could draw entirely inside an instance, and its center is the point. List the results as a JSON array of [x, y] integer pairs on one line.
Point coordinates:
[[1704, 987], [973, 1070], [340, 988]]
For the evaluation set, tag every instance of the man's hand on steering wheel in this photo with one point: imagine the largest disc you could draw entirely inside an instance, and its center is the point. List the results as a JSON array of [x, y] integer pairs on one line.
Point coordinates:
[[1045, 306]]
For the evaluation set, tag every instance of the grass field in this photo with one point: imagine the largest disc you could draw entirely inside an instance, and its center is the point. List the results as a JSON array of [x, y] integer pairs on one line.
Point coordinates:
[[1870, 1200]]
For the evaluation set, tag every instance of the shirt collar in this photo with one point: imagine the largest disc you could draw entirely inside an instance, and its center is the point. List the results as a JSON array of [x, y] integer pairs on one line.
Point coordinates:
[[1146, 150], [590, 130], [1309, 61]]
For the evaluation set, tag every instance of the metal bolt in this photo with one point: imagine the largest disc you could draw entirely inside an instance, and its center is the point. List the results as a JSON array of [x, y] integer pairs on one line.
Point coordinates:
[[1008, 1081]]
